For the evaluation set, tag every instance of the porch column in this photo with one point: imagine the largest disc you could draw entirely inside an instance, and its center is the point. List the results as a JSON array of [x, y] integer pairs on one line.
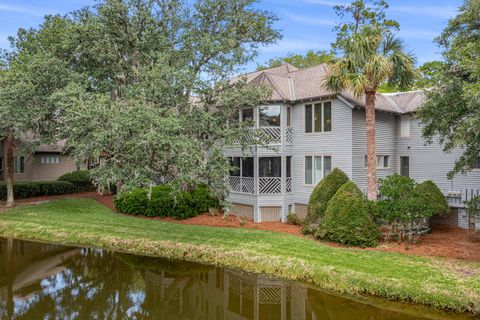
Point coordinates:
[[257, 214]]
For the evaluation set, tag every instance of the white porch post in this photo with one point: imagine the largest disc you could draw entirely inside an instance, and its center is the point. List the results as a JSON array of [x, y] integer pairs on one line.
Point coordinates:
[[257, 213], [284, 186]]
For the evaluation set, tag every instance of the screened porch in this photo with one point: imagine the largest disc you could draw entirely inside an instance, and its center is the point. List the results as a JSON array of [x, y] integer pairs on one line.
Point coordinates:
[[261, 175]]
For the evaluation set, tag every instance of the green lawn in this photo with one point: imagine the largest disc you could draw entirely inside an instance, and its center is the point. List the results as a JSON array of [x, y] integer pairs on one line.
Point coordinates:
[[431, 281]]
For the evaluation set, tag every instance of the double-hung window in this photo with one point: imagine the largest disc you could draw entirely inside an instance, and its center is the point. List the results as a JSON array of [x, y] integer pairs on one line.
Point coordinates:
[[383, 162], [318, 117], [19, 165], [316, 168], [476, 164]]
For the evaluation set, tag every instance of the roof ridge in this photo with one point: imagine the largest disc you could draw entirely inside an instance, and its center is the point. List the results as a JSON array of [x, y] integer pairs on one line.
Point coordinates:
[[399, 109]]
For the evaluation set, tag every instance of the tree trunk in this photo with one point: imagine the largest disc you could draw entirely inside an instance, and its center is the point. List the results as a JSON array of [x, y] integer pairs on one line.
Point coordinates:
[[371, 146], [9, 168]]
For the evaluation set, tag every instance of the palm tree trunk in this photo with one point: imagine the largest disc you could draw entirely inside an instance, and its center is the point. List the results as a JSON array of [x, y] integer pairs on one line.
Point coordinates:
[[371, 146], [9, 168]]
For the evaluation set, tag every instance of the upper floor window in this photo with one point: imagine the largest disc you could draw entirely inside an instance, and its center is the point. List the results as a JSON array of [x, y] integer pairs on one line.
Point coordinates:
[[383, 162], [405, 126], [316, 168], [318, 117], [269, 116], [246, 114], [241, 167], [289, 116], [50, 159], [19, 164]]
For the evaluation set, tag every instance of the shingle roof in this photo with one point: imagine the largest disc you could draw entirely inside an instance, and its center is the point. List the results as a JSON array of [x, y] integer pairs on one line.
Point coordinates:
[[291, 84]]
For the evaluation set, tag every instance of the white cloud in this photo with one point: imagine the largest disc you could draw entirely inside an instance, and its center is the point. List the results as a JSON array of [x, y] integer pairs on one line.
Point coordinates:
[[307, 20], [444, 12], [21, 9]]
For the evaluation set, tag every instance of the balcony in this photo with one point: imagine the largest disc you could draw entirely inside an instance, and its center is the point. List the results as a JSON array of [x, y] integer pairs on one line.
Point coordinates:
[[273, 135], [260, 186], [261, 175]]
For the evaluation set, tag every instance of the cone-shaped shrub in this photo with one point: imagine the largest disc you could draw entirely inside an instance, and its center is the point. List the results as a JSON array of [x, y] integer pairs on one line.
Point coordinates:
[[347, 219], [433, 194], [321, 195]]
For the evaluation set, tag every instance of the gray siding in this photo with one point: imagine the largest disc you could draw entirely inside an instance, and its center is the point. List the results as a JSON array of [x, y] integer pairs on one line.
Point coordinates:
[[337, 144], [386, 137], [429, 162]]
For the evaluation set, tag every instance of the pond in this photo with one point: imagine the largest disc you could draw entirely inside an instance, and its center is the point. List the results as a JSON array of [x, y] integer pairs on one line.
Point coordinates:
[[46, 281]]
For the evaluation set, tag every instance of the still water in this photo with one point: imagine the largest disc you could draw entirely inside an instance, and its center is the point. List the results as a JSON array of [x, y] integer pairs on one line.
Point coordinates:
[[45, 281]]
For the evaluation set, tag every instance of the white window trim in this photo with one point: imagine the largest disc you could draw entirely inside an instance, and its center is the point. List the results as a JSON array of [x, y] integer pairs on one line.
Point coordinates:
[[322, 102], [15, 164], [53, 157], [378, 167], [313, 167], [409, 121]]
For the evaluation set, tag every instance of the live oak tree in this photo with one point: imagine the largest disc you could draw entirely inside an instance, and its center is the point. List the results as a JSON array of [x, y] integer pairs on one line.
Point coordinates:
[[150, 93], [309, 59], [27, 78], [451, 114], [371, 56]]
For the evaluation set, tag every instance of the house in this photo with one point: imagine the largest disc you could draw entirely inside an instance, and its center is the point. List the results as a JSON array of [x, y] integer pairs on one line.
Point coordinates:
[[314, 130], [48, 162]]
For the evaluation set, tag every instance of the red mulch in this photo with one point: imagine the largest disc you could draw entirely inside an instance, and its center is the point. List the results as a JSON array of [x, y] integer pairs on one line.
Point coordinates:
[[443, 241]]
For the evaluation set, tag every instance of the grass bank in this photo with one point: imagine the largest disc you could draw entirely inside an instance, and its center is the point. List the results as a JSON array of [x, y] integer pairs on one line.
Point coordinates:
[[451, 285]]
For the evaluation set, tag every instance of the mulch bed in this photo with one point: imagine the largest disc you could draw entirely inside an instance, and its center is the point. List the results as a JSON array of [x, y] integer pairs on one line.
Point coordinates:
[[443, 241]]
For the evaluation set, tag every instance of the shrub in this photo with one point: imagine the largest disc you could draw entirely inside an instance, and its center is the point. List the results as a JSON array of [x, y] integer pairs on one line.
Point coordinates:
[[22, 190], [165, 203], [293, 218], [321, 195], [347, 219], [473, 206], [436, 198], [80, 179], [404, 207]]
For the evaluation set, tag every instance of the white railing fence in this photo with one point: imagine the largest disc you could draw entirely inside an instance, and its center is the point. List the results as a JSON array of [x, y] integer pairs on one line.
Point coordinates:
[[288, 185], [242, 184], [289, 135], [273, 133], [270, 185], [458, 199]]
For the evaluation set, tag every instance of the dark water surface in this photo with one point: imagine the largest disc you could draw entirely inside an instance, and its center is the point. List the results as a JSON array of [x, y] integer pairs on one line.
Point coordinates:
[[45, 281]]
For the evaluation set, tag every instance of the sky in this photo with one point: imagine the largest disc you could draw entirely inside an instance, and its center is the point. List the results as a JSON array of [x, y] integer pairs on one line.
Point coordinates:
[[304, 24]]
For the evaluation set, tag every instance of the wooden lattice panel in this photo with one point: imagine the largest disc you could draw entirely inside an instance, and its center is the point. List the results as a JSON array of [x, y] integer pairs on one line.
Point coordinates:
[[243, 210], [270, 295], [271, 213]]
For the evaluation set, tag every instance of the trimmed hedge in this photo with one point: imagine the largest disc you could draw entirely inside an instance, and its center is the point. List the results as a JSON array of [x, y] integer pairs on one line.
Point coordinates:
[[347, 219], [80, 179], [321, 195], [164, 204], [434, 196], [23, 190]]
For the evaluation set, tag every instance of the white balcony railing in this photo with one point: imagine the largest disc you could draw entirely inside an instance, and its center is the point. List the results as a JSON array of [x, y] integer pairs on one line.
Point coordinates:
[[288, 185], [289, 135], [242, 184], [273, 134], [270, 185]]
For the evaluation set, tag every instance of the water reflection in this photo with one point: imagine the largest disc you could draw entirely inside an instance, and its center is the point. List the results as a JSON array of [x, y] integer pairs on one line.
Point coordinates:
[[44, 281]]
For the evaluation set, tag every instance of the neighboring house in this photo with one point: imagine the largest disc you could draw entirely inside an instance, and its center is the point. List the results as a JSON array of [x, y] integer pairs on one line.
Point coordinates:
[[315, 131], [48, 162]]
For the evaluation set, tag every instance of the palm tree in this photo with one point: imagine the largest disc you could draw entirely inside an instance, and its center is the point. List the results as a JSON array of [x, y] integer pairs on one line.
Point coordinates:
[[371, 58]]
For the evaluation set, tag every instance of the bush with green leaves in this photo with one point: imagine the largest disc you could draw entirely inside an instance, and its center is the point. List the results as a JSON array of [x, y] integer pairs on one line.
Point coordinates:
[[347, 219], [80, 179], [165, 203], [473, 206], [22, 190], [435, 196], [294, 219], [404, 208], [319, 198]]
